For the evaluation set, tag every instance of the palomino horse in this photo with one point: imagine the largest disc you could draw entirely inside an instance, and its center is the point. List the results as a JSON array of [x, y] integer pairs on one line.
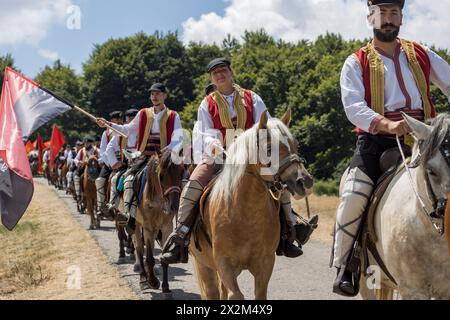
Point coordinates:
[[241, 215], [155, 215], [413, 251], [91, 172]]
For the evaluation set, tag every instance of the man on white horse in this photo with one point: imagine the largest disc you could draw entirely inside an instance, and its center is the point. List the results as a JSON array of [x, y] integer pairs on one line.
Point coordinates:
[[114, 155], [387, 76], [158, 128], [227, 107], [100, 182]]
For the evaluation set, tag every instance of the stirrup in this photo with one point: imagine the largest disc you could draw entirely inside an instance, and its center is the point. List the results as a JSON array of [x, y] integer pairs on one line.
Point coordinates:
[[344, 286], [305, 228]]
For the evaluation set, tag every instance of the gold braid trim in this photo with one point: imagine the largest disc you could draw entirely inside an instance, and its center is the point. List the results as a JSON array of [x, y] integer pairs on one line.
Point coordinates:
[[376, 66], [148, 128], [419, 76], [224, 110], [163, 128]]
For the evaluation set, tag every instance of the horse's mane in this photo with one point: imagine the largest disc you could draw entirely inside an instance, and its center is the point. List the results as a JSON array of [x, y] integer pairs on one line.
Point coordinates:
[[241, 152], [441, 126], [153, 191]]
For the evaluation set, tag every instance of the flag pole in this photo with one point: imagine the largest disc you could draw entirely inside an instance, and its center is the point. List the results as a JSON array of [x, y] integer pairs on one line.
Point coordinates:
[[95, 119]]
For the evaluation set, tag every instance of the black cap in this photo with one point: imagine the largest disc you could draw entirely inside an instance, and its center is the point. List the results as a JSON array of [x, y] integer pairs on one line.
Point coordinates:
[[115, 115], [131, 112], [88, 139], [158, 87], [210, 88], [216, 63], [401, 3]]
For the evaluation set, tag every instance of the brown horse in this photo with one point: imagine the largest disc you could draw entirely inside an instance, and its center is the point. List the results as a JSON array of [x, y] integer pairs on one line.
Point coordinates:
[[155, 215], [241, 214], [125, 240], [91, 172]]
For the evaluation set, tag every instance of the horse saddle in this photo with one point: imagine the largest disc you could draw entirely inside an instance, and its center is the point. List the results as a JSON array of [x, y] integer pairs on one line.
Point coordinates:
[[139, 183]]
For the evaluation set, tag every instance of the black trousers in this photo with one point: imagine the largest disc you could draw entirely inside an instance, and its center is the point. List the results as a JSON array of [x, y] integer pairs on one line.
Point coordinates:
[[105, 172], [369, 149]]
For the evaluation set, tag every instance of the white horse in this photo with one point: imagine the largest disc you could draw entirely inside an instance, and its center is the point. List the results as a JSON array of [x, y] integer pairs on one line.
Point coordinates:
[[410, 246]]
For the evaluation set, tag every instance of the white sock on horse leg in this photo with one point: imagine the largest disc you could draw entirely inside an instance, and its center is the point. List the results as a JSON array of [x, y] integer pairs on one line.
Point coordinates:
[[355, 194]]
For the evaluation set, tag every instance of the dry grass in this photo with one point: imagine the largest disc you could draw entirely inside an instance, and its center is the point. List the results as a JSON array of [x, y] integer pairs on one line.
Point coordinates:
[[38, 257], [325, 207]]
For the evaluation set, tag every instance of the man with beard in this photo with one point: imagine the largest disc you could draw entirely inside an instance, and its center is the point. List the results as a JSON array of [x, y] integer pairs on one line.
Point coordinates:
[[387, 76]]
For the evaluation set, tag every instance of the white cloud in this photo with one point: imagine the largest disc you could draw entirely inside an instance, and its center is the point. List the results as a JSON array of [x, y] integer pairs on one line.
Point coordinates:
[[28, 21], [293, 20], [48, 54]]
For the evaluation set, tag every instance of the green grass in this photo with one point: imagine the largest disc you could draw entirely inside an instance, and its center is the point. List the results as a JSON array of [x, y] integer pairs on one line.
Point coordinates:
[[326, 188], [21, 228]]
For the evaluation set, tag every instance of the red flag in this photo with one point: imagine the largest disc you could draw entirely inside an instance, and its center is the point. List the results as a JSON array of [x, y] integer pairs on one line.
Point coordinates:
[[56, 142], [40, 146], [24, 107]]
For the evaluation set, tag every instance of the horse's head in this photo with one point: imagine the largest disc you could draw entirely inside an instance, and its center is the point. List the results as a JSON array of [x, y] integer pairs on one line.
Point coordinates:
[[131, 156], [171, 175], [432, 152], [93, 168], [164, 182], [285, 164]]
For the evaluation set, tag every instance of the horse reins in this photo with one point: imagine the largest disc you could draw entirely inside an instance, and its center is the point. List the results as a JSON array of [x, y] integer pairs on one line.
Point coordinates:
[[438, 204]]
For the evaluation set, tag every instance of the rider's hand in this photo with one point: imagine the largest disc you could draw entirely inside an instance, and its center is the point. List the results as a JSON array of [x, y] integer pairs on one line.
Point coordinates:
[[101, 122], [117, 165], [399, 128], [216, 148]]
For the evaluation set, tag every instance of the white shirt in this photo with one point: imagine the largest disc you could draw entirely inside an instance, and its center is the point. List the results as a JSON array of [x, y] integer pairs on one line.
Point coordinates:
[[353, 92], [103, 144], [132, 128], [46, 156], [114, 147], [204, 133], [85, 157]]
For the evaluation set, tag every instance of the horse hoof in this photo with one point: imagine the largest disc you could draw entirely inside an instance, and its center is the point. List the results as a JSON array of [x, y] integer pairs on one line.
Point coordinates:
[[137, 268], [154, 284], [121, 260], [132, 257], [143, 285]]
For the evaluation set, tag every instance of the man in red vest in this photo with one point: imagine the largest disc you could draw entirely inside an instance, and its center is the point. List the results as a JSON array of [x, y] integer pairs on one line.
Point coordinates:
[[158, 128], [385, 77], [226, 107]]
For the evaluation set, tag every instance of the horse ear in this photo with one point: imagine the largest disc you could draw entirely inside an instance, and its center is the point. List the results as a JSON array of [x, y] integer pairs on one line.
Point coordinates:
[[263, 120], [127, 155], [286, 118], [421, 130]]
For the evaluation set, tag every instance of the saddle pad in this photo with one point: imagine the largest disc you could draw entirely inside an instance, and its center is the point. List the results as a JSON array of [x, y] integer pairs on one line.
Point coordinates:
[[142, 179]]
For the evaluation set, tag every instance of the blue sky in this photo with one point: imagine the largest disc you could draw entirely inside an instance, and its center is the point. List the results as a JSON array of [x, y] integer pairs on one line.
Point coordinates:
[[101, 20], [35, 31]]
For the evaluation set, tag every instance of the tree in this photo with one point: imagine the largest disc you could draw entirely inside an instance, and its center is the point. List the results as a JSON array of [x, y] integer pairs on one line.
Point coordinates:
[[6, 61]]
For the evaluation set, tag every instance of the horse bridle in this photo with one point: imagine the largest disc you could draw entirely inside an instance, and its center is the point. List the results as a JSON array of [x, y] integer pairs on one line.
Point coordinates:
[[439, 205], [173, 189], [277, 185]]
